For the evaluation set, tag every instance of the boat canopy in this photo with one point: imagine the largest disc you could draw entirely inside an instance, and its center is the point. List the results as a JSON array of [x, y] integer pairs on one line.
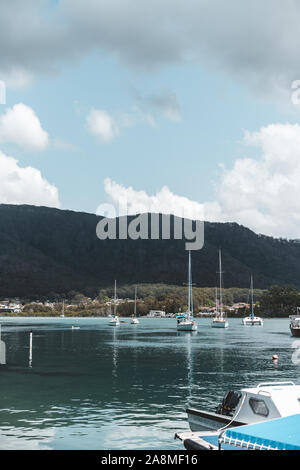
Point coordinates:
[[274, 434]]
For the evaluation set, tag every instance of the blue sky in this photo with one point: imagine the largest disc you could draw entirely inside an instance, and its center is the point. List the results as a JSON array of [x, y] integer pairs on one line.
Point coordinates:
[[193, 152]]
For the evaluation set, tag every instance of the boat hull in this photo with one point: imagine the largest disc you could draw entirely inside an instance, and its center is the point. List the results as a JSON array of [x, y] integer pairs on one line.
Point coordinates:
[[203, 420], [220, 324], [256, 321], [295, 332], [187, 326]]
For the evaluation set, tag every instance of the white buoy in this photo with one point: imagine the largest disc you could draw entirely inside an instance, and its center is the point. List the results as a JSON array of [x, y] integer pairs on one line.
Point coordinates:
[[2, 351], [30, 349]]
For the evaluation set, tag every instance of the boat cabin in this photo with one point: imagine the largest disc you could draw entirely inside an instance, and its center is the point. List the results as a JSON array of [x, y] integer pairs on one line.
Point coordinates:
[[266, 401]]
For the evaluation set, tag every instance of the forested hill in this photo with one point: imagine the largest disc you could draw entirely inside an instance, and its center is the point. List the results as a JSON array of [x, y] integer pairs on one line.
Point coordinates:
[[45, 250]]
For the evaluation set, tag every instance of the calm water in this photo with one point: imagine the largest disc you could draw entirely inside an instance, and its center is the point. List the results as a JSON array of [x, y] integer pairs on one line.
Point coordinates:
[[101, 387]]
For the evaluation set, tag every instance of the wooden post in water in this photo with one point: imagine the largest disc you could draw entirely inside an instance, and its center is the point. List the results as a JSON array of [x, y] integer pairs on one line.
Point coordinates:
[[2, 351]]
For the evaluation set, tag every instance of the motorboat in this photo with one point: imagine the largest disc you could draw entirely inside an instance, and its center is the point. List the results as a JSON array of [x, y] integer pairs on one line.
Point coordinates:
[[219, 320], [252, 320], [295, 324], [268, 400], [272, 434], [185, 321]]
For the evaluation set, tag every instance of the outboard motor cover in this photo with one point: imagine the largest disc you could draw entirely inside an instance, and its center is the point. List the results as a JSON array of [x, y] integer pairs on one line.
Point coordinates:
[[229, 403]]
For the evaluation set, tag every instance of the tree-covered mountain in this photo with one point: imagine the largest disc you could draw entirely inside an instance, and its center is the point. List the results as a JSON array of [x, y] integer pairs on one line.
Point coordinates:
[[45, 250]]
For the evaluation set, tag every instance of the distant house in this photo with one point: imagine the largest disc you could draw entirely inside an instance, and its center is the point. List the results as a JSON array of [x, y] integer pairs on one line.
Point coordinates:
[[240, 305], [16, 307], [156, 313]]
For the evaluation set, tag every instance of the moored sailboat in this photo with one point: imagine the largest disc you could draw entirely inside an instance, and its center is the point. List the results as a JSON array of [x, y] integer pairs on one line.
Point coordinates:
[[219, 321], [185, 321], [252, 320], [114, 321], [134, 320]]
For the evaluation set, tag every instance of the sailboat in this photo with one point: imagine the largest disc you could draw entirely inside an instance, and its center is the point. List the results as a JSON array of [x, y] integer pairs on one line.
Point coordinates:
[[114, 321], [134, 320], [185, 322], [63, 310], [219, 321], [252, 319]]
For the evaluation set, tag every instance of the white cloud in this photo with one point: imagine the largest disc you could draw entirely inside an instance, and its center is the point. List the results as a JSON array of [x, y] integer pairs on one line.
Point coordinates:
[[147, 109], [262, 193], [20, 125], [102, 125], [24, 185], [129, 201]]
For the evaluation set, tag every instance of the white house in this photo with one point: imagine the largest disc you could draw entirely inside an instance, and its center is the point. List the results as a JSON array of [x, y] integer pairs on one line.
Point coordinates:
[[156, 313]]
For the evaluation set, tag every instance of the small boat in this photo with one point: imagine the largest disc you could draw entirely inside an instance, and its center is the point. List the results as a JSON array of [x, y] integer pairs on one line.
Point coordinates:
[[63, 310], [275, 434], [252, 320], [75, 327], [268, 400], [295, 324], [186, 322], [134, 320], [114, 320], [219, 321]]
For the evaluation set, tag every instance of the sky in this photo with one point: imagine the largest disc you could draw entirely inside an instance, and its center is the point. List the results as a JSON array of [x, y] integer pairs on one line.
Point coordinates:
[[189, 108]]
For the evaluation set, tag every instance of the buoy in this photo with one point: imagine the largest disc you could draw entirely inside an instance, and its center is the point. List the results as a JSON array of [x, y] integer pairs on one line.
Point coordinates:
[[275, 357]]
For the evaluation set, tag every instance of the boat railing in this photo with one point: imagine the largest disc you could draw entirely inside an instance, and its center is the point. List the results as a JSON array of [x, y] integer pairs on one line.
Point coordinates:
[[271, 384], [264, 392]]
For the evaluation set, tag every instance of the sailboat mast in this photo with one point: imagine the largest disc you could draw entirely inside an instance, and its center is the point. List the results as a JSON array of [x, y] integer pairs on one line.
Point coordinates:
[[220, 274], [115, 299], [189, 286], [252, 306], [135, 301]]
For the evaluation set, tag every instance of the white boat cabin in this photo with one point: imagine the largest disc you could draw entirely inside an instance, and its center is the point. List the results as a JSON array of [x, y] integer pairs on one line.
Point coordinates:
[[268, 400]]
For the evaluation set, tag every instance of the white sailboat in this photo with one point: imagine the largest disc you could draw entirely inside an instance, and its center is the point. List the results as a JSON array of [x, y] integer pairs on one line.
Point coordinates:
[[63, 310], [219, 321], [185, 322], [114, 321], [252, 320], [134, 320]]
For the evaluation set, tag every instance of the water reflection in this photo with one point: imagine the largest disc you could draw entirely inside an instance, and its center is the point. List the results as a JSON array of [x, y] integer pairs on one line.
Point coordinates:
[[126, 387]]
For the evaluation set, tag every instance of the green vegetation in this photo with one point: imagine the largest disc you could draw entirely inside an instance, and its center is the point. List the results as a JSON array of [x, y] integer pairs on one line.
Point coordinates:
[[280, 301], [277, 301], [48, 253]]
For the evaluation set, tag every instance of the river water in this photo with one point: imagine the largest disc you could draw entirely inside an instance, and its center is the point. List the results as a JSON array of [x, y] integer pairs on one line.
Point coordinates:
[[127, 387]]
